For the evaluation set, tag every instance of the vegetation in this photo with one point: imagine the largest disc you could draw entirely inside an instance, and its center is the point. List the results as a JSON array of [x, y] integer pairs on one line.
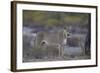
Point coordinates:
[[48, 19]]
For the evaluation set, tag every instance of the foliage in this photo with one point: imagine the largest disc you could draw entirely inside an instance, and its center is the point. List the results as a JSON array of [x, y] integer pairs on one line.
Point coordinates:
[[50, 18]]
